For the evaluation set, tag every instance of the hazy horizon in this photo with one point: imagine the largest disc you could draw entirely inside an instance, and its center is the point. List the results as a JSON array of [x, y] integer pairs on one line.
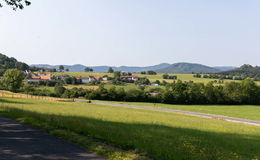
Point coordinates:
[[133, 33], [129, 65]]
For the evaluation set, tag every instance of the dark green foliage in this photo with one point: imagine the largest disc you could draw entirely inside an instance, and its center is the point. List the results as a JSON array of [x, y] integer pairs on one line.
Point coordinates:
[[166, 76], [88, 69], [110, 70], [12, 79], [16, 4], [59, 89], [151, 73], [180, 92], [61, 68], [11, 63], [143, 81], [245, 71]]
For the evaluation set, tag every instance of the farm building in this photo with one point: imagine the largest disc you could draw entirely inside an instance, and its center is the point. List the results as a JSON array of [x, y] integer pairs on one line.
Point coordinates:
[[85, 80], [134, 78], [41, 77]]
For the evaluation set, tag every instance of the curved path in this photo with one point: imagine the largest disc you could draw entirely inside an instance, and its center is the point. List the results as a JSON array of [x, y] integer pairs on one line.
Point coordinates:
[[197, 114], [20, 142]]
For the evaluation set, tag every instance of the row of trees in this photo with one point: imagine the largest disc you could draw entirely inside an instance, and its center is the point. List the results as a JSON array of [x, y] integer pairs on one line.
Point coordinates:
[[178, 92], [218, 76], [166, 76], [246, 92], [149, 72]]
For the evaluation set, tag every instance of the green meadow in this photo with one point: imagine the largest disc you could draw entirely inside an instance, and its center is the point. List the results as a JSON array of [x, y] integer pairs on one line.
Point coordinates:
[[128, 133], [251, 112]]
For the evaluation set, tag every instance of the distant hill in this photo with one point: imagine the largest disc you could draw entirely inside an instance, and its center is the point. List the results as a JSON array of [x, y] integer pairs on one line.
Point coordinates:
[[11, 63], [188, 68], [244, 71], [80, 68]]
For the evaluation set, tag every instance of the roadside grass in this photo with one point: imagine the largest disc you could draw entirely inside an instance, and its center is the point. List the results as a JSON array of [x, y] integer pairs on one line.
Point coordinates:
[[158, 135], [251, 112]]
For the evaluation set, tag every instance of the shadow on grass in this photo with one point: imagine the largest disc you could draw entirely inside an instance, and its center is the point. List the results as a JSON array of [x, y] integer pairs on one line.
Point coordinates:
[[157, 141], [12, 101]]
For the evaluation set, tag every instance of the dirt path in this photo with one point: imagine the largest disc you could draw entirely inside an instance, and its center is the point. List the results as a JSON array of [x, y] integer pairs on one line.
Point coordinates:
[[197, 114], [20, 142]]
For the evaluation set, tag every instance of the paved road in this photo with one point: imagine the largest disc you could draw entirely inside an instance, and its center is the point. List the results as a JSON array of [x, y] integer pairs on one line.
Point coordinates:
[[197, 114], [20, 142]]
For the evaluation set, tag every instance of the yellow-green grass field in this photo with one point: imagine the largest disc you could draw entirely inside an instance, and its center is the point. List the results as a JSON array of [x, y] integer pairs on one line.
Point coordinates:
[[141, 134], [251, 112]]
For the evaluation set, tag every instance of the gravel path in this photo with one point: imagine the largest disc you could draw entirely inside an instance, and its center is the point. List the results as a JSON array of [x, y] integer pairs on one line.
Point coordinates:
[[197, 114], [20, 142]]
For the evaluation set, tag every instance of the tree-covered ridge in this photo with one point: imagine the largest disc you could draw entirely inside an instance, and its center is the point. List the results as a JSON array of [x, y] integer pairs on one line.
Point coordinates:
[[11, 63], [187, 68], [245, 71]]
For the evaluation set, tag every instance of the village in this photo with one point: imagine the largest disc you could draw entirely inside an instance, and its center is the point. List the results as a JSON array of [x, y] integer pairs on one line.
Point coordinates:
[[46, 75]]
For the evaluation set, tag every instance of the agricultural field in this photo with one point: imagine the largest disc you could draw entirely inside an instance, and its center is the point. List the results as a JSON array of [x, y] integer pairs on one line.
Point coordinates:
[[251, 112], [140, 134], [152, 78]]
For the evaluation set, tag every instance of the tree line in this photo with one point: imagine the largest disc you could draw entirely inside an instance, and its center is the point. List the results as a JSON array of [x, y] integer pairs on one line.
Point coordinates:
[[178, 92]]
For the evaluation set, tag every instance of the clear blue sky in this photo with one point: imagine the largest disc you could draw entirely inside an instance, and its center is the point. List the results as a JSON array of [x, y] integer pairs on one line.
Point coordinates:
[[133, 32]]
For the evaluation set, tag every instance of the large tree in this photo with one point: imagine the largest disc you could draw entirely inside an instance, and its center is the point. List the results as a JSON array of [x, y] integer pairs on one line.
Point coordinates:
[[15, 4], [13, 79]]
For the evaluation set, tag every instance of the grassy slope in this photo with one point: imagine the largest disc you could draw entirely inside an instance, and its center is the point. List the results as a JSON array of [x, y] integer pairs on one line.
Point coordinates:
[[160, 135], [240, 111]]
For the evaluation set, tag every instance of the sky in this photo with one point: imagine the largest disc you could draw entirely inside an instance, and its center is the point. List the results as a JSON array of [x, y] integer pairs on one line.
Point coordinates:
[[133, 32]]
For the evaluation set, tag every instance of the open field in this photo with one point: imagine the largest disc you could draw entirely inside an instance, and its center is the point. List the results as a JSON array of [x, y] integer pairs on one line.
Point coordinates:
[[251, 112], [158, 135], [152, 78]]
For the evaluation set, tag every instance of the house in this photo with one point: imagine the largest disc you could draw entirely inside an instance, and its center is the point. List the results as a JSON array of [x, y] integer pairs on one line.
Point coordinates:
[[154, 84], [41, 77], [134, 78], [85, 80], [105, 78]]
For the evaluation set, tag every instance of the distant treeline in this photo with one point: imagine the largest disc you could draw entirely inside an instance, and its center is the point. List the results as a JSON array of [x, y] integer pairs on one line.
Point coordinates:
[[245, 71], [246, 92], [219, 76]]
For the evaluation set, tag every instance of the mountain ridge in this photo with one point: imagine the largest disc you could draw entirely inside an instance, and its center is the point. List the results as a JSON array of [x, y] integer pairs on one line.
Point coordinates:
[[159, 68]]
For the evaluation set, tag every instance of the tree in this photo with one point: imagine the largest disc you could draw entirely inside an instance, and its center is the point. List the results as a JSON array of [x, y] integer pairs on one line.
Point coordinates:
[[13, 79], [67, 70], [59, 89], [61, 68], [151, 72], [117, 75], [110, 70], [16, 4], [87, 69]]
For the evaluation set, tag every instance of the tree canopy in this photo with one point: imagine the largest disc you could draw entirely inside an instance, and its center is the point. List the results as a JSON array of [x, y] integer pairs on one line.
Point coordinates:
[[15, 4], [11, 63], [12, 79]]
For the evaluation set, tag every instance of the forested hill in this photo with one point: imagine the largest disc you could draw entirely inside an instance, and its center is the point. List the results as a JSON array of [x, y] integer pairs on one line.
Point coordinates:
[[10, 63], [188, 68], [244, 71]]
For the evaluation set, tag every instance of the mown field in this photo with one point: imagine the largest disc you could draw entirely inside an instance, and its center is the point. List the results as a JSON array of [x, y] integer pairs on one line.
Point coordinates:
[[141, 134], [251, 112]]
